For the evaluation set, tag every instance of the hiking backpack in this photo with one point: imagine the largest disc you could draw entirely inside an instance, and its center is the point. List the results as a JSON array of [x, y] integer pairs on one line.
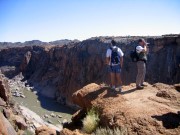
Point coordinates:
[[115, 58], [134, 55]]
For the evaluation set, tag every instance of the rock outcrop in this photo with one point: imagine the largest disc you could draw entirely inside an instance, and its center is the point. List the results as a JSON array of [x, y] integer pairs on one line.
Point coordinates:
[[69, 132], [11, 120], [4, 88], [20, 122], [5, 127], [44, 130], [25, 61], [58, 71], [142, 112]]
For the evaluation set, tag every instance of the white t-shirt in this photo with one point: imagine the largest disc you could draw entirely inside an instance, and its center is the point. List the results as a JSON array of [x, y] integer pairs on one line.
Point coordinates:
[[109, 52], [139, 49]]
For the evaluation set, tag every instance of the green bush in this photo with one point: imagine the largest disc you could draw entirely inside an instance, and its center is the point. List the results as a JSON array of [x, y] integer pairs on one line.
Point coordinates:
[[108, 131], [91, 121]]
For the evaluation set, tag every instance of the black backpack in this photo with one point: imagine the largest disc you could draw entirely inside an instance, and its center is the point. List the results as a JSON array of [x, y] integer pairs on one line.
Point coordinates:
[[115, 58], [134, 55]]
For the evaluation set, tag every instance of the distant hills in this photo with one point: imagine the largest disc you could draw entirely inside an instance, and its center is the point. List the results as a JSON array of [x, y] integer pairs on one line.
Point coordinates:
[[67, 41], [36, 43]]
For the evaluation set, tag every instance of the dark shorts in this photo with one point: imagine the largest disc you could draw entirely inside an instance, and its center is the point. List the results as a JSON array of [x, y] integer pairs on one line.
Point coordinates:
[[114, 69]]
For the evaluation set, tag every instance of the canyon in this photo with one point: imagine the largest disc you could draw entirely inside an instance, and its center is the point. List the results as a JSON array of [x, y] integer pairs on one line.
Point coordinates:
[[60, 69]]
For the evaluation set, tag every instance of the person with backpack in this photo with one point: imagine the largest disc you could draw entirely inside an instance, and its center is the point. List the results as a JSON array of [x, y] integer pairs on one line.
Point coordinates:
[[141, 51], [114, 60]]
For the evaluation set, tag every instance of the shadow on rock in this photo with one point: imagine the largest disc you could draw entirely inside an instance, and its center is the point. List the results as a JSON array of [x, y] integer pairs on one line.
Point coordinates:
[[95, 94], [128, 91], [51, 105], [169, 120]]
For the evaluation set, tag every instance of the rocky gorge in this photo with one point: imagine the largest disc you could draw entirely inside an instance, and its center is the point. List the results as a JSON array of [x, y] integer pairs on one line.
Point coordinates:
[[58, 71]]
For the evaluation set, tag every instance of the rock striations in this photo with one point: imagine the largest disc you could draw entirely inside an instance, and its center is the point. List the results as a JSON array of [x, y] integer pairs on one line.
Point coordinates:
[[58, 71]]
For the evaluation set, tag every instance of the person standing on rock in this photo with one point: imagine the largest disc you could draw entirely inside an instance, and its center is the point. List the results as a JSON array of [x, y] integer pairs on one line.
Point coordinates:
[[114, 60], [141, 51]]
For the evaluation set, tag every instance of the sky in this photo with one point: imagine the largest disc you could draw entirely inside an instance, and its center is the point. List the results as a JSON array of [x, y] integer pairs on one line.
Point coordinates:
[[49, 20]]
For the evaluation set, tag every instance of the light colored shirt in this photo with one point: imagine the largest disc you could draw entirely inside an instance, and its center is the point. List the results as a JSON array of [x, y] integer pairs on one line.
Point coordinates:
[[109, 52], [139, 49]]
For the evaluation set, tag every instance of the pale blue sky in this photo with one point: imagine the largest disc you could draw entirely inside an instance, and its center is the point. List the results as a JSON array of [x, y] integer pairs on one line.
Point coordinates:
[[48, 20]]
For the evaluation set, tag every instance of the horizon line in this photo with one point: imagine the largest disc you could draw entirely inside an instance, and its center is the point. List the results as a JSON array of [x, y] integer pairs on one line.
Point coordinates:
[[23, 41]]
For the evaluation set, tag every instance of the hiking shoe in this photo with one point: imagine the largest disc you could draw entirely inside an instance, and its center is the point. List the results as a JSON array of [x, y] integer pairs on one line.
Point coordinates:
[[139, 87], [113, 88], [118, 90], [144, 85]]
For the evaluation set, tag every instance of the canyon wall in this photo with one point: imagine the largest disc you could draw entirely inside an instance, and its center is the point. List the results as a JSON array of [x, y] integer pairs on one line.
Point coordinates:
[[58, 71]]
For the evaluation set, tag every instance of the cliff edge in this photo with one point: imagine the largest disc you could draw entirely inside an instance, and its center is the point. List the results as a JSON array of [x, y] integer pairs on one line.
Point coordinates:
[[154, 110]]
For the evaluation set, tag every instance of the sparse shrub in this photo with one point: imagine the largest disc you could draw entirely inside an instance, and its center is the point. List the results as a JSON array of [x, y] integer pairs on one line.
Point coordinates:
[[91, 121], [108, 131]]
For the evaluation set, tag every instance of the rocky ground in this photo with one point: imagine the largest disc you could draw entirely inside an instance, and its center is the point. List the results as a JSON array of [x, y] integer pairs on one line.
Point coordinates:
[[61, 70], [154, 110], [17, 119]]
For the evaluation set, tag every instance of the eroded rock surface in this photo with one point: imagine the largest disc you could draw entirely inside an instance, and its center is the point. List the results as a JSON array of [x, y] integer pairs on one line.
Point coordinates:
[[140, 111], [59, 71], [44, 130], [4, 88], [69, 132], [5, 126]]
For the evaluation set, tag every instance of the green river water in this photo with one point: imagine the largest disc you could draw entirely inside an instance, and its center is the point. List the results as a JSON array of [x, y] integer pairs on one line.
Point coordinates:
[[43, 105]]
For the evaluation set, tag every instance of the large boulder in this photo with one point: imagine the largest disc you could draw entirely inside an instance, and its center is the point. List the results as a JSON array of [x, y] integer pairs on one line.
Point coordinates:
[[5, 127], [139, 111], [7, 112], [4, 88], [20, 122], [44, 130]]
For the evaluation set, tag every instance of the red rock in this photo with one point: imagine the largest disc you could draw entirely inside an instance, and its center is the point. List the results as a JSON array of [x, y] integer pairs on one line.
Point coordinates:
[[6, 127], [69, 132], [60, 71], [7, 113], [140, 111], [20, 122], [2, 102], [3, 130], [4, 88], [44, 130]]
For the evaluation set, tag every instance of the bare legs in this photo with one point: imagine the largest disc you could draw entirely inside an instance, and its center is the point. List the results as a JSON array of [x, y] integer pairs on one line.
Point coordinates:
[[116, 79]]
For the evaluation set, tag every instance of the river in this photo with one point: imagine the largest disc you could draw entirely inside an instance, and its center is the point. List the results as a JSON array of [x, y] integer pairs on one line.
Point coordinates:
[[44, 106]]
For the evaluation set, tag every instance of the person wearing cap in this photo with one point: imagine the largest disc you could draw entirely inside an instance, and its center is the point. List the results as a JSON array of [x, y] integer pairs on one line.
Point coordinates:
[[114, 60], [141, 51]]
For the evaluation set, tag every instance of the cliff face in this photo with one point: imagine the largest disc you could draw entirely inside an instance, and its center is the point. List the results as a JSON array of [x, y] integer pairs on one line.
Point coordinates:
[[4, 89], [58, 71]]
